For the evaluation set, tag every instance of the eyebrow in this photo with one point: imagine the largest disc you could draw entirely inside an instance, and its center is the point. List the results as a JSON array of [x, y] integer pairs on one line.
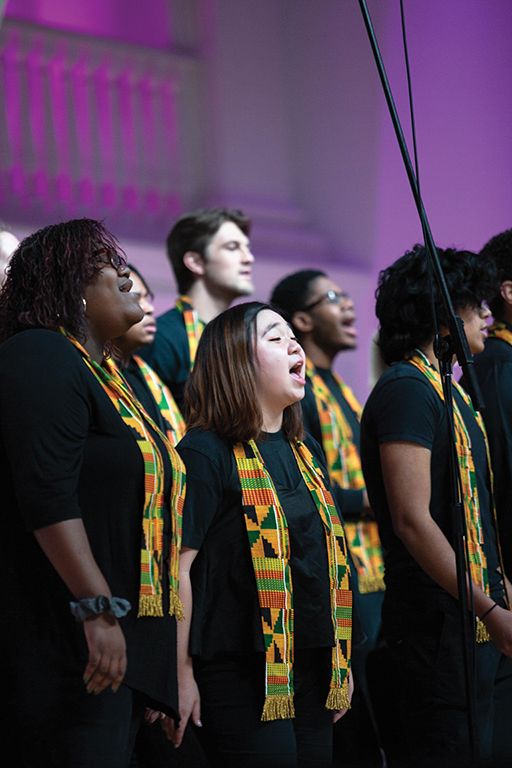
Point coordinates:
[[270, 326]]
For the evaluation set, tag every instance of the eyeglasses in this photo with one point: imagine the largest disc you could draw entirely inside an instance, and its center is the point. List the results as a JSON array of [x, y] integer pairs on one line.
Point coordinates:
[[331, 297], [113, 258]]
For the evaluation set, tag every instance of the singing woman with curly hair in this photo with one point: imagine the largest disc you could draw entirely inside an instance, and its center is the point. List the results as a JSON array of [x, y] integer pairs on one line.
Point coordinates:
[[92, 495]]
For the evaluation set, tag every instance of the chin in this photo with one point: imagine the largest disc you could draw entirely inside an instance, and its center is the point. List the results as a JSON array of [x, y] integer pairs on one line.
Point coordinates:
[[247, 289]]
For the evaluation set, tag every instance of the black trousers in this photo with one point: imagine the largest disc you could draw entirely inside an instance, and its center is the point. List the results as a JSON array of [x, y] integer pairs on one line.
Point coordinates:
[[60, 725], [429, 668], [233, 734]]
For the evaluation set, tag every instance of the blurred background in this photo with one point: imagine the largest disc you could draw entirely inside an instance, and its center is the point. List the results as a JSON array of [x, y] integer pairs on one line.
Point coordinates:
[[134, 111]]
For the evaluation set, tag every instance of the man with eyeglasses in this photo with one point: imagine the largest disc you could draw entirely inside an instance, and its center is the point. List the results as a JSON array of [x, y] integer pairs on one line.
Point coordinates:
[[323, 318]]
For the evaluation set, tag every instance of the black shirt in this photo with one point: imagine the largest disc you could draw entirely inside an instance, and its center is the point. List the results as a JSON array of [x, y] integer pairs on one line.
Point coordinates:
[[349, 500], [226, 615], [169, 353], [65, 453], [493, 368], [405, 407]]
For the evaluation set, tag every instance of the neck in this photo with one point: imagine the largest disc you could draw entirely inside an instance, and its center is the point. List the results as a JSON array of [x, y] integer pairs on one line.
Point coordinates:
[[205, 303], [123, 357], [95, 348], [507, 315], [428, 351], [321, 358], [272, 420]]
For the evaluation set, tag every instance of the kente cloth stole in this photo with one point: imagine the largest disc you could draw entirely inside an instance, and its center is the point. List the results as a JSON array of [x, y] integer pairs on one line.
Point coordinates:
[[175, 424], [152, 562], [475, 537], [193, 325], [267, 531], [344, 466], [500, 331]]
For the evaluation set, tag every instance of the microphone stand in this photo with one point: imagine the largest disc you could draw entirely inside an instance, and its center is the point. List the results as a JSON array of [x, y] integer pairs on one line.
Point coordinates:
[[444, 348]]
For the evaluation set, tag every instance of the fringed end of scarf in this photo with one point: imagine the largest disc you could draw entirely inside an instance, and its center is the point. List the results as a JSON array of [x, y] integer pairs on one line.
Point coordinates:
[[482, 633], [338, 698], [176, 606], [150, 605], [369, 584], [278, 708]]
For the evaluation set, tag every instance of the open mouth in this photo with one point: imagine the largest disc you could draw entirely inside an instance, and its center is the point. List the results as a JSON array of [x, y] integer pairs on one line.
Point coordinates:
[[297, 372], [349, 326]]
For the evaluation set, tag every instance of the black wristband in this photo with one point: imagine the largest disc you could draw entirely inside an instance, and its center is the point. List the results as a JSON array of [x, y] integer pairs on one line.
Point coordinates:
[[487, 612], [94, 606]]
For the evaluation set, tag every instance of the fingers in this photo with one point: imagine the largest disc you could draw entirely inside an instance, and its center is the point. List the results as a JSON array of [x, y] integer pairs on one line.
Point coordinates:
[[338, 714], [196, 714], [152, 715], [103, 671]]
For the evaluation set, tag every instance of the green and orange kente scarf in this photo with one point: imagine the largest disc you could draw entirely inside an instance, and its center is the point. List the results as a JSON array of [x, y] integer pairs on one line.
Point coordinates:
[[193, 325], [501, 331], [469, 488], [174, 421], [267, 531], [152, 556], [344, 467]]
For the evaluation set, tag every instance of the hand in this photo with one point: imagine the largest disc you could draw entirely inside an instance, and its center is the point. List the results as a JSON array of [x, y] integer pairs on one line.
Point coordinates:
[[152, 715], [339, 713], [107, 653], [190, 708], [499, 624]]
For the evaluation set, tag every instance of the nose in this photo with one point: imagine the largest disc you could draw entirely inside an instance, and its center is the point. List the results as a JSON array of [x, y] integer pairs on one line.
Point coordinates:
[[147, 306], [484, 310], [294, 347], [248, 254], [347, 304]]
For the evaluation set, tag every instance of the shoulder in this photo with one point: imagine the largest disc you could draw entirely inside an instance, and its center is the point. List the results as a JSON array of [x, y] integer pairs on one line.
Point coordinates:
[[39, 348], [401, 380], [170, 322], [496, 352], [206, 443]]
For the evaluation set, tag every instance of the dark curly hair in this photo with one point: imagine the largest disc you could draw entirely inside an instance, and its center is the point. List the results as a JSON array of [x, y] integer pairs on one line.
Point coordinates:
[[47, 276], [498, 250], [404, 303]]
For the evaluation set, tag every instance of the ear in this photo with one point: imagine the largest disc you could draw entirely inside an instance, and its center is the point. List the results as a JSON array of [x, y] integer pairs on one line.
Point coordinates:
[[506, 291], [302, 322], [194, 262]]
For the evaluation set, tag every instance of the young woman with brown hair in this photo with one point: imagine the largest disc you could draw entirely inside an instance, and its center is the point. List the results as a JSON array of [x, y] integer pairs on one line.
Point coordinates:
[[264, 650]]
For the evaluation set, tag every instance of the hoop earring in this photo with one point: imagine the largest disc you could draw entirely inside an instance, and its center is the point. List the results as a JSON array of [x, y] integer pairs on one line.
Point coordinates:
[[84, 301]]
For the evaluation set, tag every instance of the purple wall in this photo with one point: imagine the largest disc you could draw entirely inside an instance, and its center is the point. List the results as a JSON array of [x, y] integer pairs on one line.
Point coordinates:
[[135, 115]]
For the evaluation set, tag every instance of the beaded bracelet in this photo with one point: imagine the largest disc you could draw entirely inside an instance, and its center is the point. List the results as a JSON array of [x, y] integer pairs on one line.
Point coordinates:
[[93, 606], [493, 606]]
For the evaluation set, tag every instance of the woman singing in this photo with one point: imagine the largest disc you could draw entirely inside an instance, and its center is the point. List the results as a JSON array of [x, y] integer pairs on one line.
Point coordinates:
[[264, 651]]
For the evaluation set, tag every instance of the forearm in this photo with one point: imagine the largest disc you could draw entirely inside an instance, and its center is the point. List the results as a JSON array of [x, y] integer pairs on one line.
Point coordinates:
[[434, 554], [184, 659], [67, 547]]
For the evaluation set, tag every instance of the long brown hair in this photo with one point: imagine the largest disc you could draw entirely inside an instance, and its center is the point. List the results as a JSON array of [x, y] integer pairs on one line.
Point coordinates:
[[221, 393]]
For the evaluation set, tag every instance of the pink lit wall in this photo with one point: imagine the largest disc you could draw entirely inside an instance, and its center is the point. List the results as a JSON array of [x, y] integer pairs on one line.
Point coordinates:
[[134, 112]]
